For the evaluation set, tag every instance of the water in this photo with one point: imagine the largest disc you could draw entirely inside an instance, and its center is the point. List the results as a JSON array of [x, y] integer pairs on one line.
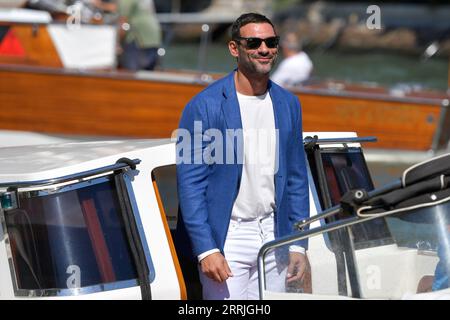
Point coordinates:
[[385, 68]]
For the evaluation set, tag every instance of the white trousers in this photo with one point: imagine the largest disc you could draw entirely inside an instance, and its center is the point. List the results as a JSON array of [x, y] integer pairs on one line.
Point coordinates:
[[242, 244]]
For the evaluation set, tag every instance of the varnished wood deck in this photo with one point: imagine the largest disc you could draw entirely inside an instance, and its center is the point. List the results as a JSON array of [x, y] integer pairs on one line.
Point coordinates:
[[115, 104]]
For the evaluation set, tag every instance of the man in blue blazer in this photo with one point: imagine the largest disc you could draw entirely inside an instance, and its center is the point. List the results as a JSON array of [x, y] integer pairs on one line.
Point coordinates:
[[241, 170]]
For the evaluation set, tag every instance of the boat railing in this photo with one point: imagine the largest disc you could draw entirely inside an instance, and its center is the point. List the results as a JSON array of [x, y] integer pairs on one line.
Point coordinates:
[[302, 235], [320, 230]]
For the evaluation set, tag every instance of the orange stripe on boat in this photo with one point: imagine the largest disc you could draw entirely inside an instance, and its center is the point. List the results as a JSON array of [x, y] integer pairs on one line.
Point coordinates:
[[176, 263]]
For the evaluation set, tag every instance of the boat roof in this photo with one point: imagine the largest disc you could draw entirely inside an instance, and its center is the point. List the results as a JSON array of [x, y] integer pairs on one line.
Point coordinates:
[[20, 163], [56, 159]]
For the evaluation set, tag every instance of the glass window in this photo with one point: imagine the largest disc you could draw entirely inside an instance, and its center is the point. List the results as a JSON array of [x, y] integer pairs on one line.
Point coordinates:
[[344, 170], [422, 228], [69, 239], [389, 272]]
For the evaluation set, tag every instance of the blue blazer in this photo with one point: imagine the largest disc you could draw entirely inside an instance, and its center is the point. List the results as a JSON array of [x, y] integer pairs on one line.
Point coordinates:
[[207, 192]]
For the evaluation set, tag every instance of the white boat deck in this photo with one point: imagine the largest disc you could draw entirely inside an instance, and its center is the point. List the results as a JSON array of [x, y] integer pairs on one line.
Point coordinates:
[[53, 154]]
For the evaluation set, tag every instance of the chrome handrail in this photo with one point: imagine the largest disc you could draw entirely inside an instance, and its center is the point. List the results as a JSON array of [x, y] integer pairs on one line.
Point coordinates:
[[296, 237], [303, 235]]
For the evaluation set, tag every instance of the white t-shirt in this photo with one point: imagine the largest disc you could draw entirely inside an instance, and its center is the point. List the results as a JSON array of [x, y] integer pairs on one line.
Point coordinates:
[[256, 197], [293, 70]]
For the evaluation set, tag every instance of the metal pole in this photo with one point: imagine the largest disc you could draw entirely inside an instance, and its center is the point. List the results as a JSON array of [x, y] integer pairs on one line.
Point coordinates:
[[442, 135], [202, 54]]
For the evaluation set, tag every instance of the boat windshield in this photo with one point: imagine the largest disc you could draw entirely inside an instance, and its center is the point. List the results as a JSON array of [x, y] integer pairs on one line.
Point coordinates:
[[393, 271], [338, 171], [70, 238]]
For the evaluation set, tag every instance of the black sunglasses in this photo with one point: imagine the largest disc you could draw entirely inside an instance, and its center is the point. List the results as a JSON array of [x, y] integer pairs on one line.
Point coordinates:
[[255, 43]]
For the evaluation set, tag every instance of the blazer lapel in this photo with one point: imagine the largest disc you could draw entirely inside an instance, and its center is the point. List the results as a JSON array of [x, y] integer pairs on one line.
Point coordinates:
[[230, 106], [232, 115], [278, 112]]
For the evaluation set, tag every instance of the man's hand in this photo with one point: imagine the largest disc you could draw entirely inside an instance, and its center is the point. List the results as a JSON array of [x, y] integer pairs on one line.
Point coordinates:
[[216, 267], [296, 268]]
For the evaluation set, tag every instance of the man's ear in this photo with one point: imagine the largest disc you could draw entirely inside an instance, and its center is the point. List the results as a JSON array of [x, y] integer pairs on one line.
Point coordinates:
[[233, 47]]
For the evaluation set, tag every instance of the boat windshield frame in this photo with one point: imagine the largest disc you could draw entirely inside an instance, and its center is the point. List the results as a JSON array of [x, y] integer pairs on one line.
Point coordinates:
[[72, 183]]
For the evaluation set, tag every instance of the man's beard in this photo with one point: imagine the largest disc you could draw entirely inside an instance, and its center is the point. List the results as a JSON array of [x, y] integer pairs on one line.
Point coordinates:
[[252, 65]]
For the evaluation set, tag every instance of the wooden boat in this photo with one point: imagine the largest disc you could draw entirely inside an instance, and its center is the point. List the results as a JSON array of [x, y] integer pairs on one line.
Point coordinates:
[[59, 101], [39, 93]]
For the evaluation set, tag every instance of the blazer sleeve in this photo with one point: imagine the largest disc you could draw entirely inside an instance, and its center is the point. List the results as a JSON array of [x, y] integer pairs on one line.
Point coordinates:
[[192, 176], [297, 177]]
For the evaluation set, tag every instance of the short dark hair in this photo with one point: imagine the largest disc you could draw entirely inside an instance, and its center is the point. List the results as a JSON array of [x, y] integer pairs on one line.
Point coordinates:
[[247, 18]]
